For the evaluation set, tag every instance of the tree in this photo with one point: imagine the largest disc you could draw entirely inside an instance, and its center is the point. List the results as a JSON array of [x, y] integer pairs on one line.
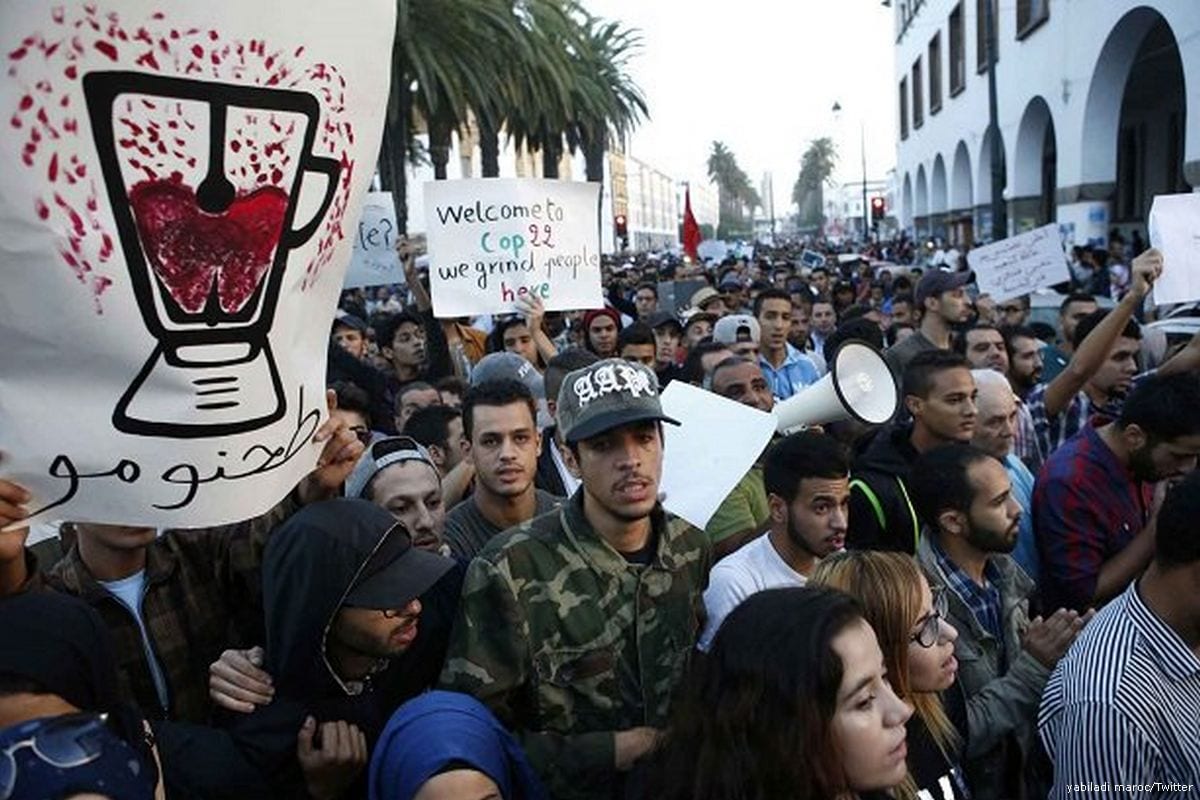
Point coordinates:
[[451, 50], [608, 101], [544, 71], [737, 198], [816, 167]]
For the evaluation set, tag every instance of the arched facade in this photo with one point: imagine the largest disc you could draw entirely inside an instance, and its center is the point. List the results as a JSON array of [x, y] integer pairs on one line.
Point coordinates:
[[921, 209]]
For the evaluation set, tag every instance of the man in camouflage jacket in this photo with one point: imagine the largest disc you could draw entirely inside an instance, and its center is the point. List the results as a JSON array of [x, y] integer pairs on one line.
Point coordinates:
[[576, 627]]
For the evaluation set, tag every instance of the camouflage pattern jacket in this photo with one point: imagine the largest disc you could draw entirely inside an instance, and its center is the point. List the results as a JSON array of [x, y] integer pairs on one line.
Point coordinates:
[[568, 642]]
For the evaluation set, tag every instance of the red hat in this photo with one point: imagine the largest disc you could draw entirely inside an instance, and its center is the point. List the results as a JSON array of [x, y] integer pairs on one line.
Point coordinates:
[[597, 312]]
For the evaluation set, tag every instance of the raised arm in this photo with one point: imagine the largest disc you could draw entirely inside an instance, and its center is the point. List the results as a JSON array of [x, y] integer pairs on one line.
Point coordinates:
[[1094, 349]]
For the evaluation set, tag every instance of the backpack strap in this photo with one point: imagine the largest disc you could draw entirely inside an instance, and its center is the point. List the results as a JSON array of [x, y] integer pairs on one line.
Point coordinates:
[[869, 493]]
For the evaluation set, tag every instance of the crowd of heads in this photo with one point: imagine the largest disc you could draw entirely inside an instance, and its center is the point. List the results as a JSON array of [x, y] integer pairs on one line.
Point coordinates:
[[479, 593]]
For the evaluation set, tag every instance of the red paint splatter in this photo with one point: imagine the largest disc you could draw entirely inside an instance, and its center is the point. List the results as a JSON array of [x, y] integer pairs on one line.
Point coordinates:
[[25, 104], [43, 211], [107, 49], [52, 171], [71, 71]]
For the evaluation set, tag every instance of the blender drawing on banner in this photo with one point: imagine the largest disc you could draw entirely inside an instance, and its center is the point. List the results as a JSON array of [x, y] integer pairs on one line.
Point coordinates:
[[204, 180]]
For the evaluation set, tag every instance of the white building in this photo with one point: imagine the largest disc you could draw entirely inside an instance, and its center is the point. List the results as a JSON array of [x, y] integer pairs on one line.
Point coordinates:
[[654, 206], [1092, 100], [844, 206]]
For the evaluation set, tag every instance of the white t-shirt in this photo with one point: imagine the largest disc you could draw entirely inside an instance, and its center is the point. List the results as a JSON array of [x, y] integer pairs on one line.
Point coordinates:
[[751, 568], [129, 591]]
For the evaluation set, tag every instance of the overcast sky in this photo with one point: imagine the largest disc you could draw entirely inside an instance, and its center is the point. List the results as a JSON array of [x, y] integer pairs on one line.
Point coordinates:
[[762, 76]]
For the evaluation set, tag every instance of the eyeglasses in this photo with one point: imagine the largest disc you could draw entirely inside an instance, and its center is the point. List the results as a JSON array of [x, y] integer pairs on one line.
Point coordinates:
[[931, 628], [66, 743]]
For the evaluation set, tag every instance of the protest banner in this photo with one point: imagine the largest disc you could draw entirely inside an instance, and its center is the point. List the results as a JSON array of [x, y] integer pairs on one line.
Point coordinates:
[[373, 259], [712, 250], [1175, 230], [492, 241], [1020, 264], [688, 449], [177, 199]]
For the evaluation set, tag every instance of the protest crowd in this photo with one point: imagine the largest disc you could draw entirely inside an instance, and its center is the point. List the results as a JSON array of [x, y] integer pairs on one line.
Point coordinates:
[[478, 593]]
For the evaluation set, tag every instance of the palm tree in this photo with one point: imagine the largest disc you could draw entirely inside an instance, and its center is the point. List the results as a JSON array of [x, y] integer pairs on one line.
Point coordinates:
[[736, 195], [608, 100], [816, 165], [535, 79], [451, 50]]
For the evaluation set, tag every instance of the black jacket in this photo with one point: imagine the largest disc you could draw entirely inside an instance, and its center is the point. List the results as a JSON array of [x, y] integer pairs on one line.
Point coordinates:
[[547, 478], [308, 569], [881, 516]]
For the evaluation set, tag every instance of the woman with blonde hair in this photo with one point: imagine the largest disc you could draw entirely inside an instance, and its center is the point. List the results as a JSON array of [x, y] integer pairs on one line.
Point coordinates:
[[918, 650]]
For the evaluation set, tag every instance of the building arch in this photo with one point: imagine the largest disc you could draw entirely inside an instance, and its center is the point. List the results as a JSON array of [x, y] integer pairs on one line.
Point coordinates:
[[937, 187], [1035, 166], [921, 209], [906, 202], [962, 196]]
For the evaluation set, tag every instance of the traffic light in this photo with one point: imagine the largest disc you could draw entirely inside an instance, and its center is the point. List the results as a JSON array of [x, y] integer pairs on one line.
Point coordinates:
[[622, 231], [876, 208]]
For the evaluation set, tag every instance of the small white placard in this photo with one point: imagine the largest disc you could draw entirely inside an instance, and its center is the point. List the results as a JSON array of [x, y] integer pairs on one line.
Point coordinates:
[[698, 474], [1175, 230], [1020, 264]]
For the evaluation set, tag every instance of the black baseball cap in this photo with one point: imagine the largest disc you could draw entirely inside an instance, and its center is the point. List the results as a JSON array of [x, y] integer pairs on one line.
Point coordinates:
[[395, 573], [660, 318], [936, 281], [607, 395]]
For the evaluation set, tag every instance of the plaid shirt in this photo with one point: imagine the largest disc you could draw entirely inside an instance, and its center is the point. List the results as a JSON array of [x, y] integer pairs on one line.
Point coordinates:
[[203, 594], [1086, 509], [1025, 444], [983, 601], [1052, 432]]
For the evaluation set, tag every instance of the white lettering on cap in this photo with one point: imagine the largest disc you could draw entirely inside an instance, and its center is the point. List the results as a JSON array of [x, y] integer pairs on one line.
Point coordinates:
[[608, 379], [636, 381]]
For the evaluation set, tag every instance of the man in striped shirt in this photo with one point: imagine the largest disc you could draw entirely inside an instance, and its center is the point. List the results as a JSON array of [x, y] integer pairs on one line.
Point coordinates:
[[1120, 717]]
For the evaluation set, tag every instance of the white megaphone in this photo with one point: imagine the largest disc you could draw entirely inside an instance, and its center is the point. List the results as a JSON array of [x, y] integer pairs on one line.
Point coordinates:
[[859, 386]]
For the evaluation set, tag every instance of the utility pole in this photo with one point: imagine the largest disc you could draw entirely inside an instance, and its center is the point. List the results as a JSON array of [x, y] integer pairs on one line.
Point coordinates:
[[862, 139], [999, 211]]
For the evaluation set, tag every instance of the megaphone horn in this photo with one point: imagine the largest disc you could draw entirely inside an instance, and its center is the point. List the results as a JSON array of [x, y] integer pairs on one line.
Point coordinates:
[[860, 386]]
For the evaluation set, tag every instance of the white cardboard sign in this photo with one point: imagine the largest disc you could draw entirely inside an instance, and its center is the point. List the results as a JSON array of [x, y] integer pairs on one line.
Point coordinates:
[[494, 240], [698, 476], [374, 260], [1175, 230], [178, 186], [1020, 264]]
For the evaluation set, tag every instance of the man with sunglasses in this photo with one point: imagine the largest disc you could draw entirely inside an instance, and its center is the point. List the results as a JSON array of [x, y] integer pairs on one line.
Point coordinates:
[[965, 498], [341, 585]]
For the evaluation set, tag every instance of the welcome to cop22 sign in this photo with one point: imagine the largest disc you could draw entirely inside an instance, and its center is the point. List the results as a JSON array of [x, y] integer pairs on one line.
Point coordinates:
[[494, 241]]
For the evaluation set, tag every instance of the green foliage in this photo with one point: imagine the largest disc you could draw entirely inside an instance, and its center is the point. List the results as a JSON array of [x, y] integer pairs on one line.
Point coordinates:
[[545, 72], [737, 198], [816, 167]]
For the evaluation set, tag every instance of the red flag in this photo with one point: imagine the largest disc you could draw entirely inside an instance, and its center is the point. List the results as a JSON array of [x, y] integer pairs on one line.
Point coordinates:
[[691, 231]]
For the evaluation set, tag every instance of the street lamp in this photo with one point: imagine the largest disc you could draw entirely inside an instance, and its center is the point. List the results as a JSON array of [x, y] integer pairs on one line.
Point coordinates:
[[999, 209], [862, 141]]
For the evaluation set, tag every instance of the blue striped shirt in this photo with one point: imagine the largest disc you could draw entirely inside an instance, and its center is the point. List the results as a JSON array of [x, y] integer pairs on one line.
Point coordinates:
[[1120, 717]]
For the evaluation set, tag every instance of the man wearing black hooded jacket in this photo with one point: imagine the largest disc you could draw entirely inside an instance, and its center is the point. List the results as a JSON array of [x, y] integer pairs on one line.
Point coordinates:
[[939, 393], [340, 586]]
